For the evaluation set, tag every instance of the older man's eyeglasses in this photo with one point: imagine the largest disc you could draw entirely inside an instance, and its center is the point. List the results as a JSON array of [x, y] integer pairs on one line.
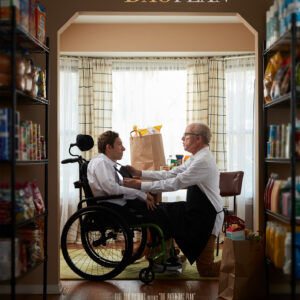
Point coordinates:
[[189, 133]]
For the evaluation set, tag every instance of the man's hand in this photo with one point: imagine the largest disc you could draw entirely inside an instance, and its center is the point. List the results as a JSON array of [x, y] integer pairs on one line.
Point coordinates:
[[150, 202], [132, 183], [133, 171]]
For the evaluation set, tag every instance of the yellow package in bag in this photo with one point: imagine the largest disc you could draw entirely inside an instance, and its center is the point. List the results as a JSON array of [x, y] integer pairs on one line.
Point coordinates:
[[147, 131]]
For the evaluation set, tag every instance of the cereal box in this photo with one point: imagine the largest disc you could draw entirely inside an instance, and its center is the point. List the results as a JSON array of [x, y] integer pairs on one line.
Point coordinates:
[[5, 9], [24, 14], [32, 22], [41, 23], [4, 133]]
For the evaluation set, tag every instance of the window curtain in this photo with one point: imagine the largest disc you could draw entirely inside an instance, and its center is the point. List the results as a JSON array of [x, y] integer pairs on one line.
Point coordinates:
[[95, 98], [151, 91], [68, 107], [240, 86], [206, 102]]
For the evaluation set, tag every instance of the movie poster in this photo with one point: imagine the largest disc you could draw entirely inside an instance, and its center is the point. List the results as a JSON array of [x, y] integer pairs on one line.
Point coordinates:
[[130, 28]]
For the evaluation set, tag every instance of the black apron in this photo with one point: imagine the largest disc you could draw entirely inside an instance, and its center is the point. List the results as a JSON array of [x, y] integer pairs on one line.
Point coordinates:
[[136, 212], [191, 222]]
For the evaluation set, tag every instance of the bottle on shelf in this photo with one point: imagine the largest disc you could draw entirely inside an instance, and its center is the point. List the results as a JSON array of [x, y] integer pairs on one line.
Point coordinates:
[[279, 246], [287, 254], [268, 190]]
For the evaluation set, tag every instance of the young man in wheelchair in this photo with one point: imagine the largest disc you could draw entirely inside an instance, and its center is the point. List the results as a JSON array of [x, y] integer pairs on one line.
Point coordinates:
[[104, 180]]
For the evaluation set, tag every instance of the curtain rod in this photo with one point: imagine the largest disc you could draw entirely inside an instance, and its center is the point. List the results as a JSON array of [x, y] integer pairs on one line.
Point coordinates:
[[162, 57], [132, 57], [239, 56]]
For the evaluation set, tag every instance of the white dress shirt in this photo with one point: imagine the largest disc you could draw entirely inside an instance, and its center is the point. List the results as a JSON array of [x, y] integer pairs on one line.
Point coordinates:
[[102, 180], [199, 169]]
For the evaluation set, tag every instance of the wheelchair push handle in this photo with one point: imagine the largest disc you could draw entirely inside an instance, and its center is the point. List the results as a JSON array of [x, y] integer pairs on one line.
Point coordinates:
[[69, 160]]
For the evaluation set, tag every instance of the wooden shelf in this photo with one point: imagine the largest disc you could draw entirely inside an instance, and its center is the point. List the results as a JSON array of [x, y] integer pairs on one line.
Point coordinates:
[[27, 162], [282, 218], [30, 221], [6, 229], [22, 97], [18, 42], [278, 160], [283, 42], [280, 100], [32, 162], [288, 107], [24, 39]]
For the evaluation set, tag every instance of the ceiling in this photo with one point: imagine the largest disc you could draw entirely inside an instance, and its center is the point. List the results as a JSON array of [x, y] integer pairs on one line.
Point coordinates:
[[121, 18]]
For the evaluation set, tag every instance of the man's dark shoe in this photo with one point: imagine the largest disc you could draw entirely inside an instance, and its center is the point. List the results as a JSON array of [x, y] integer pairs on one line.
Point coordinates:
[[173, 264]]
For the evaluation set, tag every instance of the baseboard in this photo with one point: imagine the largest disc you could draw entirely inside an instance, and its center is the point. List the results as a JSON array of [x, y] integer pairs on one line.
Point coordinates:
[[32, 289]]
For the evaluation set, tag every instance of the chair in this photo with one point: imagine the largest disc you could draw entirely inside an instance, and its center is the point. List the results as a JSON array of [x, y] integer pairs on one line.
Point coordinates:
[[230, 186]]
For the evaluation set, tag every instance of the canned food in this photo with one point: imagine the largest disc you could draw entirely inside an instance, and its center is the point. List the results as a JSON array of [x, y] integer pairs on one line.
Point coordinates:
[[272, 136]]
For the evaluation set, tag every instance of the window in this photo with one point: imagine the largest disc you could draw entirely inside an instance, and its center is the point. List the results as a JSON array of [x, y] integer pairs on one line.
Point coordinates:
[[146, 95], [68, 131], [240, 82], [149, 92]]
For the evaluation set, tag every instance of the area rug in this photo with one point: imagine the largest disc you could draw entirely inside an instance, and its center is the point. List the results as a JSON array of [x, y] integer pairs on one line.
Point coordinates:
[[131, 272]]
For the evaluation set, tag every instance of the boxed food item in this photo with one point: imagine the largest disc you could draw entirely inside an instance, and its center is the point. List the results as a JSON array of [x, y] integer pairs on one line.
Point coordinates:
[[24, 14], [4, 133], [5, 208], [32, 17], [146, 131], [235, 233], [41, 23], [5, 9]]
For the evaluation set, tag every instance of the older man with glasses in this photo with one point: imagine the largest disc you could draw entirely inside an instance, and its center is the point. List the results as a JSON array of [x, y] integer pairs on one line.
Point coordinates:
[[196, 222]]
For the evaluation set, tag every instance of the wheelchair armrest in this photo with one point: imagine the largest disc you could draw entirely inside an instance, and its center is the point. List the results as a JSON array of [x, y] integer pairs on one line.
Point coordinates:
[[95, 200]]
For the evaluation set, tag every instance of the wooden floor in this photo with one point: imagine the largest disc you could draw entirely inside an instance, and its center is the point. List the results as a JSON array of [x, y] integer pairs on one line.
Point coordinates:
[[135, 290]]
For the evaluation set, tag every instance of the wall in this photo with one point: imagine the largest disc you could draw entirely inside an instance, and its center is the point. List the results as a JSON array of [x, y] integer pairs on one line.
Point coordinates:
[[160, 38], [59, 13]]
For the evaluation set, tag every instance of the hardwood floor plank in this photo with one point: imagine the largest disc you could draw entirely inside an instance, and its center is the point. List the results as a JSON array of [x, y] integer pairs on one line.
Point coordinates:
[[136, 290]]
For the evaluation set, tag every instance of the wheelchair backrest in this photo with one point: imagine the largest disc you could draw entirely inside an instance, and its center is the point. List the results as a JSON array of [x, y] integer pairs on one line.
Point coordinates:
[[84, 180]]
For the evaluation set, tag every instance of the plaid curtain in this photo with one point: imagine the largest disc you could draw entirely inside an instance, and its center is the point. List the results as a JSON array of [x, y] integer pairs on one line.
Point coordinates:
[[95, 98], [206, 102], [197, 91]]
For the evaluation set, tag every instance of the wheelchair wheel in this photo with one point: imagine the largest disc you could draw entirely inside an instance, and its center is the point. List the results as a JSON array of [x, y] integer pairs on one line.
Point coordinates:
[[146, 275], [96, 243], [139, 235]]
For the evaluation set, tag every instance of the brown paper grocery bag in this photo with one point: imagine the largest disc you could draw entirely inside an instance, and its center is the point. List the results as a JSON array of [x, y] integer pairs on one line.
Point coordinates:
[[147, 152], [242, 272]]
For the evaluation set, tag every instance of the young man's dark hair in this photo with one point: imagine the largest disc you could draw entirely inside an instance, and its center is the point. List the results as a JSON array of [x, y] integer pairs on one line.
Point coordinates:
[[106, 138]]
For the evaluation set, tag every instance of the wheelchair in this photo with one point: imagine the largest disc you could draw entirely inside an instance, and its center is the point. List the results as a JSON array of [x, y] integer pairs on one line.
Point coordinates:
[[97, 242]]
